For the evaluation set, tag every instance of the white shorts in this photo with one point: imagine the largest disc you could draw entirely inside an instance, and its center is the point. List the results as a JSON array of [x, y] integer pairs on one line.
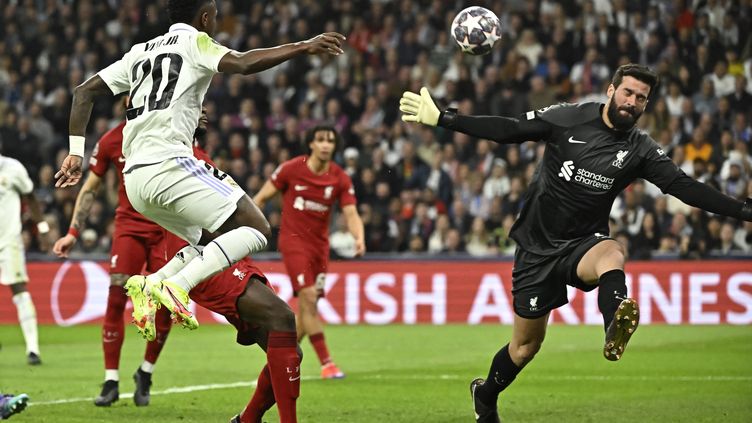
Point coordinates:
[[183, 195], [13, 263]]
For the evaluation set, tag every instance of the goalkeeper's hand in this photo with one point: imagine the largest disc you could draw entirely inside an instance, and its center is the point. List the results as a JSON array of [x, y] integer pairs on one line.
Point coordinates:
[[419, 108]]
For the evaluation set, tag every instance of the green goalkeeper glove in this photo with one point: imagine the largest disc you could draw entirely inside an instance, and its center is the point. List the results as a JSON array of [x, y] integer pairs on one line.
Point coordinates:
[[419, 108]]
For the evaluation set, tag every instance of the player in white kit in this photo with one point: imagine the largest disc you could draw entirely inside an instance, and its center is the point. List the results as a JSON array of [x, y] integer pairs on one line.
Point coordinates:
[[167, 78], [15, 184]]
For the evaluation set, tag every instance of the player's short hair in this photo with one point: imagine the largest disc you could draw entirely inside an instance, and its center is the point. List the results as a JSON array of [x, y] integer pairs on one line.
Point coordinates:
[[183, 11], [638, 72], [311, 134]]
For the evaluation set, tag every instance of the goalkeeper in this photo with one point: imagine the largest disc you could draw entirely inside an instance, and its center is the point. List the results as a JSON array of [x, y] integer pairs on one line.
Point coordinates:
[[593, 152]]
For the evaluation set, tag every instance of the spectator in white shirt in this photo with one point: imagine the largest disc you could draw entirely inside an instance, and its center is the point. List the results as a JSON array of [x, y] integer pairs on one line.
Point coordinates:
[[723, 81]]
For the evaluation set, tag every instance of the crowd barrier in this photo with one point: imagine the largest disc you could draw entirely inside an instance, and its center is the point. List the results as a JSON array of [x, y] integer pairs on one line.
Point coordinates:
[[429, 292]]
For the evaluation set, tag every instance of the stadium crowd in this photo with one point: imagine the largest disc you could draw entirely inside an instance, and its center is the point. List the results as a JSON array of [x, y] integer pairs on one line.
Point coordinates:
[[420, 189]]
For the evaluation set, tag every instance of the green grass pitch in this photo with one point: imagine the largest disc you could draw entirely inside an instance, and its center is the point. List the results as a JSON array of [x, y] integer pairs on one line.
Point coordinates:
[[400, 374]]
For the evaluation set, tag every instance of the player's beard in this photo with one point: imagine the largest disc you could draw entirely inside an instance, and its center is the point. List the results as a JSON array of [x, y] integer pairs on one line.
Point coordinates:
[[622, 123]]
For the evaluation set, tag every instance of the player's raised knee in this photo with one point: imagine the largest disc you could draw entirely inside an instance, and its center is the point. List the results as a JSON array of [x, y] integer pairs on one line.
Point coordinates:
[[247, 214], [263, 227]]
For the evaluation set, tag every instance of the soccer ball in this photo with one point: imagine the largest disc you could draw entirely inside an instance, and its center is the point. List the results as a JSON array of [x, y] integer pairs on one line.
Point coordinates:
[[476, 30]]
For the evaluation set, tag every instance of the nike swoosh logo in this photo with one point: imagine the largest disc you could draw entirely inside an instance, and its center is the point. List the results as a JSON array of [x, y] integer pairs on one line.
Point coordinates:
[[574, 141], [293, 379], [300, 187]]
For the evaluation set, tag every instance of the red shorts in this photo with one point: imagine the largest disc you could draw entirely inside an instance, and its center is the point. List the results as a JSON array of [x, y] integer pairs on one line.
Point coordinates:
[[220, 294], [306, 267], [131, 249]]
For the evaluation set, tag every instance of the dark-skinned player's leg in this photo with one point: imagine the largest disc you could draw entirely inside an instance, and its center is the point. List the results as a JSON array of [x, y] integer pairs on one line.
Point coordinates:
[[603, 264], [260, 306]]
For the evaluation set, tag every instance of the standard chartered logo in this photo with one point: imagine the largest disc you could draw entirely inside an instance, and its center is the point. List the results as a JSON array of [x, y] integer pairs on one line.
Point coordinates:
[[566, 170], [585, 177]]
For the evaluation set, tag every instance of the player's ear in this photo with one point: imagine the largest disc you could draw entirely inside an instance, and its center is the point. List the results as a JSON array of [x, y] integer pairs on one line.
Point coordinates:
[[611, 89]]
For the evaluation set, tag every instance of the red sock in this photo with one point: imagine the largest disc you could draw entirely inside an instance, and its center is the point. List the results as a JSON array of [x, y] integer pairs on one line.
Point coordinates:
[[262, 400], [319, 344], [163, 324], [113, 327], [284, 369]]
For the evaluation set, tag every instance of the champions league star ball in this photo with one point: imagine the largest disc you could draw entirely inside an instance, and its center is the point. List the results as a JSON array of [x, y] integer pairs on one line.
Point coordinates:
[[476, 30]]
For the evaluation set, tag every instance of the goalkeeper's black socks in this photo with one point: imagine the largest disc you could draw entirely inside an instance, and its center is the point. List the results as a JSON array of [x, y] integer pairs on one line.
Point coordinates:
[[502, 373], [612, 290]]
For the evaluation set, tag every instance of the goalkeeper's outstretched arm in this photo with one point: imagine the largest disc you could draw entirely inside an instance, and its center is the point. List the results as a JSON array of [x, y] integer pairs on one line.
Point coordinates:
[[421, 108]]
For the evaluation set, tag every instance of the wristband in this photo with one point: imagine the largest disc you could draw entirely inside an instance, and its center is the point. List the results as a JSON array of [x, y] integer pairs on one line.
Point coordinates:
[[76, 145], [73, 231], [746, 213], [43, 227], [448, 118]]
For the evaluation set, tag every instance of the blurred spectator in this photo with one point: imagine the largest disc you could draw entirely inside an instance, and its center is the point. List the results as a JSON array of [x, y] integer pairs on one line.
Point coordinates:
[[706, 101], [478, 240], [438, 239], [341, 240], [727, 242], [740, 99], [698, 148], [723, 82]]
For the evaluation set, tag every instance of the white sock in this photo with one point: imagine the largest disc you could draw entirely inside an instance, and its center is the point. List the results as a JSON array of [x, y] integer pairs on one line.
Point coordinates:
[[27, 317], [176, 263], [220, 254], [111, 374], [147, 367]]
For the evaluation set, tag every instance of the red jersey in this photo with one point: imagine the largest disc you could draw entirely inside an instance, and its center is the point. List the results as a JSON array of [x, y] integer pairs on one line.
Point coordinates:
[[307, 200], [109, 151]]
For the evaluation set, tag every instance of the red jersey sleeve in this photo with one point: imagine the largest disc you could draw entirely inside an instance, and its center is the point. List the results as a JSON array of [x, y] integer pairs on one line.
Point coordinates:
[[100, 157], [281, 176], [346, 192]]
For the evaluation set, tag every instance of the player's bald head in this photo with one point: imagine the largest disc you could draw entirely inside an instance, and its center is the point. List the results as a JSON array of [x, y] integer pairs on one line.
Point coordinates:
[[186, 11]]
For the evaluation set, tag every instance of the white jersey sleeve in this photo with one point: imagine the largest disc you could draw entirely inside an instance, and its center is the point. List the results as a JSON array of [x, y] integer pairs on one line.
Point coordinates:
[[208, 52], [116, 76], [22, 183]]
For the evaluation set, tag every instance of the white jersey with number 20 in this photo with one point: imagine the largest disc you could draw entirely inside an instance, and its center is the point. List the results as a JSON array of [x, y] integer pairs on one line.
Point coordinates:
[[166, 78]]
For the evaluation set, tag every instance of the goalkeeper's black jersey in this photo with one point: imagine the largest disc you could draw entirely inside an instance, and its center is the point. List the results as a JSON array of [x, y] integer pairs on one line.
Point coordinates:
[[585, 166]]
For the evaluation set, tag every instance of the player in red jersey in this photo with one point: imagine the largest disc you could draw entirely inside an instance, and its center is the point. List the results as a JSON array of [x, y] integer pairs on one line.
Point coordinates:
[[310, 185], [134, 246], [240, 293]]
